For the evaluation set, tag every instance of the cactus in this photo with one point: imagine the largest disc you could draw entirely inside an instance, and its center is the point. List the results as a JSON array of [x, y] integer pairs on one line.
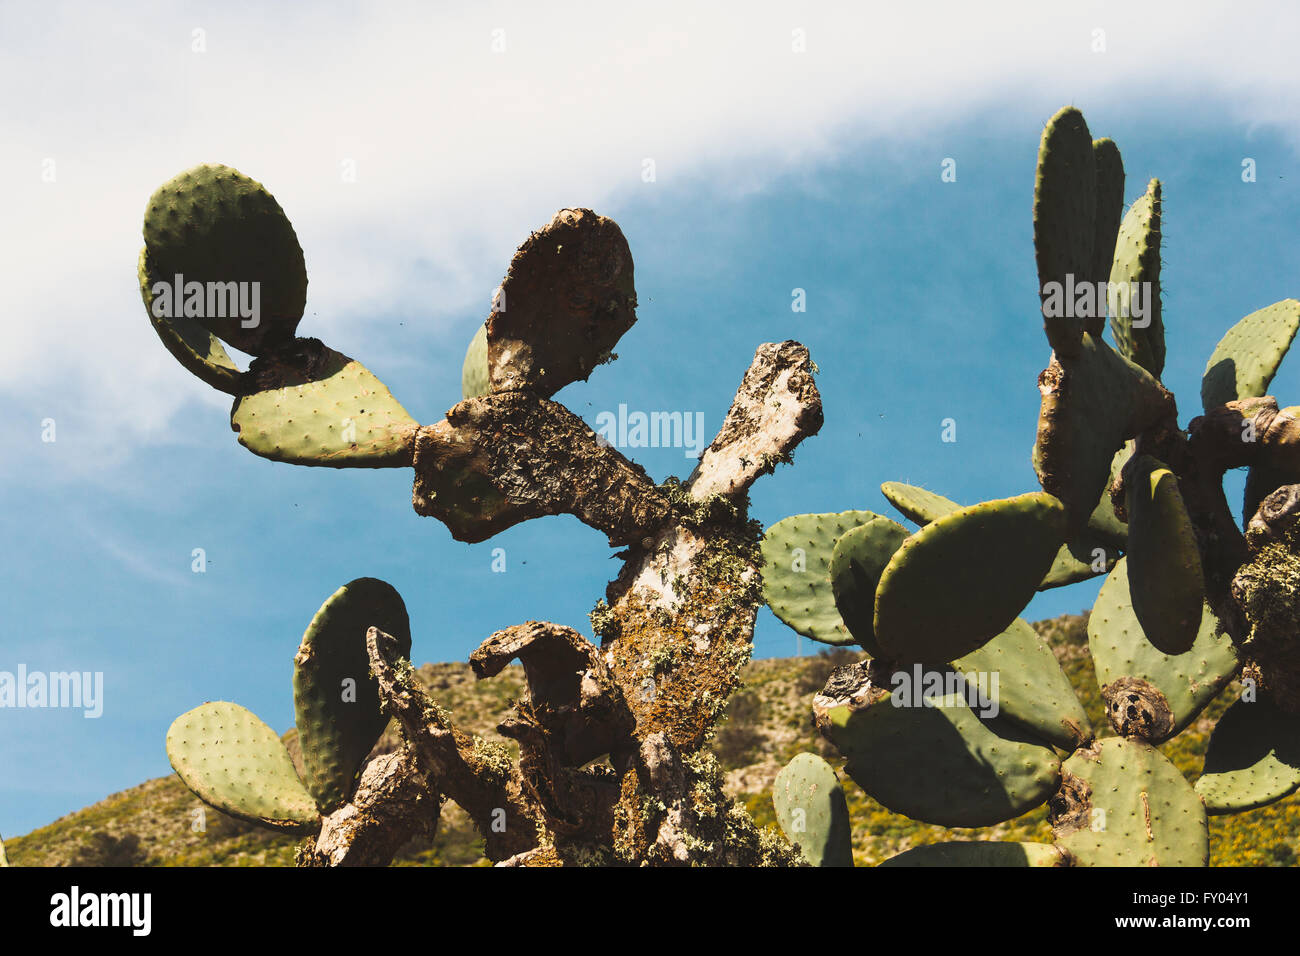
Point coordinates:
[[233, 761], [812, 811], [1189, 602]]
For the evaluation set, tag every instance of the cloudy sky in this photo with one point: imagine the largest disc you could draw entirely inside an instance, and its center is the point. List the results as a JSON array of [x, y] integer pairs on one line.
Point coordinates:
[[794, 146]]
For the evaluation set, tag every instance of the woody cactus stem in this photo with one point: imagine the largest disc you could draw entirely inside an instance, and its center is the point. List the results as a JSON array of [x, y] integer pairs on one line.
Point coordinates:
[[676, 628]]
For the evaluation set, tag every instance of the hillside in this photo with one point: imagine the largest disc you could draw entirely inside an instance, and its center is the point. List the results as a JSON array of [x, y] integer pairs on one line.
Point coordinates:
[[153, 824]]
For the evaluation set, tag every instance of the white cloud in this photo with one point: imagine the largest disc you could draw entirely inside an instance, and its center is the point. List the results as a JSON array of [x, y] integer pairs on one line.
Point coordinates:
[[460, 150]]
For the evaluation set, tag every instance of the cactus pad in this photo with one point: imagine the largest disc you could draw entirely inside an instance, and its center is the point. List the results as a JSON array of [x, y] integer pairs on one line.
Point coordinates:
[[812, 811], [336, 700], [1110, 211], [1032, 689], [962, 580], [980, 853], [1123, 803], [1253, 758], [474, 373], [212, 224], [233, 761], [1247, 357], [859, 559], [1164, 563], [1137, 260], [796, 572], [918, 504], [1065, 212], [1149, 693], [309, 405], [941, 764], [567, 299], [197, 349]]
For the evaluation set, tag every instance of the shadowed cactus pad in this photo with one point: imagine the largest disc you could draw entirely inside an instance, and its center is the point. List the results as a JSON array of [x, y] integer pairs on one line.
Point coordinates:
[[1253, 758], [979, 853], [1065, 212], [474, 372], [309, 405], [812, 811], [939, 764], [212, 224], [961, 580], [796, 572], [336, 700], [1247, 357], [1164, 562], [859, 559], [233, 761], [197, 349], [1123, 803], [1110, 212]]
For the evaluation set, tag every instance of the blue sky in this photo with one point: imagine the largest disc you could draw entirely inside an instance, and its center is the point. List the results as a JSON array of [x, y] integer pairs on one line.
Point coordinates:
[[775, 170]]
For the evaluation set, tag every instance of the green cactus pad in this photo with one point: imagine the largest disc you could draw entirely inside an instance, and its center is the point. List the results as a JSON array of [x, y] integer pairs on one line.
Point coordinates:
[[212, 224], [197, 349], [1090, 409], [812, 811], [233, 761], [1073, 563], [335, 698], [796, 572], [1247, 357], [962, 580], [1137, 260], [1124, 804], [474, 373], [918, 504], [942, 764], [981, 853], [859, 558], [1164, 562], [1183, 684], [310, 405], [1065, 213], [1032, 689], [1110, 211], [1103, 523], [1253, 758]]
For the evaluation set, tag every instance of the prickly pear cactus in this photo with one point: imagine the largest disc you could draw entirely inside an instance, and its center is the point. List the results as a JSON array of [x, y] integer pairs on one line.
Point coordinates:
[[961, 716]]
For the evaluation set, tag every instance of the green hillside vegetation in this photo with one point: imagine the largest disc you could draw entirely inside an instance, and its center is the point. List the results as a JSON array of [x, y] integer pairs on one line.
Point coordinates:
[[158, 822]]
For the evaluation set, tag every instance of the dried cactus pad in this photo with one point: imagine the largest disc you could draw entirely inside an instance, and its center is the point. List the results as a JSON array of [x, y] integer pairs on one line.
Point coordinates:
[[474, 372], [309, 405], [1123, 803], [197, 349], [1253, 758], [336, 700], [962, 579], [980, 853], [812, 811], [568, 298], [1171, 689], [859, 559], [233, 761], [797, 555], [1164, 562], [212, 224], [1247, 357], [1065, 212]]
